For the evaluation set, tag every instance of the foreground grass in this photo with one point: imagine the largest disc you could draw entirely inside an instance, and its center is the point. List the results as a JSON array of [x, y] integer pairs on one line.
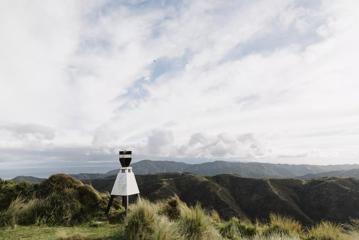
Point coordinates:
[[105, 232]]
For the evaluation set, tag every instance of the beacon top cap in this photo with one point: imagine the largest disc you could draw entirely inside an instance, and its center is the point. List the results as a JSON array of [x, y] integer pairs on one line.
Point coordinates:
[[125, 158]]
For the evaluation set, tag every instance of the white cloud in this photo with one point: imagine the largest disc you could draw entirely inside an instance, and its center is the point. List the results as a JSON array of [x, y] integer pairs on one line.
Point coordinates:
[[183, 79]]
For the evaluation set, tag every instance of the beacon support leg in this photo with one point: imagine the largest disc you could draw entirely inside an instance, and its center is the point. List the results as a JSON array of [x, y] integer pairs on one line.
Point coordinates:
[[125, 203], [109, 204]]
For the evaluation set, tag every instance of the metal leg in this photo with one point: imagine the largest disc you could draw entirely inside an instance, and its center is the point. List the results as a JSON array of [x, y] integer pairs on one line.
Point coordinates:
[[109, 204], [125, 203]]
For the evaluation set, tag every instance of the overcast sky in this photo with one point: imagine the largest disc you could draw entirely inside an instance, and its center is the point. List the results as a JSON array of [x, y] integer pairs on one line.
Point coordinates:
[[269, 81]]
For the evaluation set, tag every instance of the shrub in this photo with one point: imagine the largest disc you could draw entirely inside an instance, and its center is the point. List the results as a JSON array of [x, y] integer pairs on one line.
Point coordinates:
[[61, 200], [62, 208], [326, 231], [10, 190], [57, 183], [67, 201], [88, 197], [194, 224], [283, 226]]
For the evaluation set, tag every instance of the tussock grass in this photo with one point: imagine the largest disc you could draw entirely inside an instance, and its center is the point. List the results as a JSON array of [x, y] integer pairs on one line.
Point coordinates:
[[327, 231], [172, 208], [234, 229], [166, 230], [194, 224], [275, 237], [140, 223], [283, 226], [10, 215]]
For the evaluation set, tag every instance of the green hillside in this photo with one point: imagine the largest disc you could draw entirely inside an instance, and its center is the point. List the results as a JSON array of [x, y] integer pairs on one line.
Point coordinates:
[[308, 201], [63, 207]]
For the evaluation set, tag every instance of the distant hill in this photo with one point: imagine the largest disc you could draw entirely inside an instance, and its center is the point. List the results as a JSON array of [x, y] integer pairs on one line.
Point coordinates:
[[352, 173], [28, 179], [309, 201], [244, 169], [152, 167]]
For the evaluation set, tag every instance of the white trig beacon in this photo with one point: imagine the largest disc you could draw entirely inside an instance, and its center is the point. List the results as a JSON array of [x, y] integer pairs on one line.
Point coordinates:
[[125, 183]]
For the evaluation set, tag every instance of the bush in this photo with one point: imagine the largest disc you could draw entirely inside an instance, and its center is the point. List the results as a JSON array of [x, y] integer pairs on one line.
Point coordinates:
[[194, 224], [10, 190], [57, 183], [59, 208], [326, 231], [62, 209], [67, 201], [88, 197]]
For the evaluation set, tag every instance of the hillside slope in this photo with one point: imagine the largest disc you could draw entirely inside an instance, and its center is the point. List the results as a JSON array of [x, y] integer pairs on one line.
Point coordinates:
[[310, 201], [351, 173]]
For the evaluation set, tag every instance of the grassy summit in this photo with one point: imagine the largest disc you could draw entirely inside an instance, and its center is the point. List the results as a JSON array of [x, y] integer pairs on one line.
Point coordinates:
[[64, 208]]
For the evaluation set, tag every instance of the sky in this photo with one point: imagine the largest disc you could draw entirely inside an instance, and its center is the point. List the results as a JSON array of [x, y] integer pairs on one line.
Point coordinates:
[[242, 80]]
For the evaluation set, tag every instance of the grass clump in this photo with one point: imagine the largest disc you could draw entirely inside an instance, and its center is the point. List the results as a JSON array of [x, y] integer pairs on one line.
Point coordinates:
[[166, 230], [194, 224], [140, 224], [283, 226], [234, 229], [172, 208], [326, 231], [10, 215], [229, 230]]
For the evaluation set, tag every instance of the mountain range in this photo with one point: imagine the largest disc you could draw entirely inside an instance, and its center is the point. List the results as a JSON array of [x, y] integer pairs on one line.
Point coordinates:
[[243, 169]]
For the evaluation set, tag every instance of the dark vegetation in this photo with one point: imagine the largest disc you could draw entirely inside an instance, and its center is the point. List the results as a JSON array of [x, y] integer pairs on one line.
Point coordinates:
[[256, 214], [309, 201], [59, 200]]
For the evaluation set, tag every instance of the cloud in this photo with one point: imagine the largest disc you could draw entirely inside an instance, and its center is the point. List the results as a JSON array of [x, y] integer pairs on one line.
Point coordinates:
[[201, 146], [183, 78], [16, 135], [243, 146]]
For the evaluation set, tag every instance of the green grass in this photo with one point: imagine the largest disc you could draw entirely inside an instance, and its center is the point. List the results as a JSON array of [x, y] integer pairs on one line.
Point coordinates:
[[106, 232]]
